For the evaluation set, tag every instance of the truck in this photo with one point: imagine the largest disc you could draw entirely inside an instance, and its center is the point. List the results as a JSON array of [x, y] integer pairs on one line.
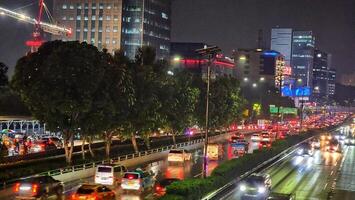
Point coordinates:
[[241, 146]]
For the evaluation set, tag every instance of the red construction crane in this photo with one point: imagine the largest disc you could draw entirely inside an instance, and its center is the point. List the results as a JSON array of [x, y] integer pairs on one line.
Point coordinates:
[[39, 26]]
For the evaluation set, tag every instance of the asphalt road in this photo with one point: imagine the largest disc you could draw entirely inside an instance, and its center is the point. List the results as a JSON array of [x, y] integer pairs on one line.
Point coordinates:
[[314, 178], [163, 169]]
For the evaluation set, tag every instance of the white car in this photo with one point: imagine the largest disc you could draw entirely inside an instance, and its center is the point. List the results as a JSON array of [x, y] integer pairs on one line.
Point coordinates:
[[137, 180], [109, 174], [179, 155], [255, 137]]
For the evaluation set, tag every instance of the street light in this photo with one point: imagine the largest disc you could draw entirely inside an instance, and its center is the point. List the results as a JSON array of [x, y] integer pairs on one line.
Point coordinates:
[[254, 85], [246, 79], [262, 79], [210, 52]]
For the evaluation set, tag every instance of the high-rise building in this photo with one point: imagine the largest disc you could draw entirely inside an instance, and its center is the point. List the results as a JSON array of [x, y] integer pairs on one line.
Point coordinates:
[[146, 22], [331, 82], [95, 22], [118, 24], [320, 73], [281, 41], [302, 57]]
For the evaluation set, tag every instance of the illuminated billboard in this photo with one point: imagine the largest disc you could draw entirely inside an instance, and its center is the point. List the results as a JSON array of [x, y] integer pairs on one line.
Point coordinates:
[[296, 92]]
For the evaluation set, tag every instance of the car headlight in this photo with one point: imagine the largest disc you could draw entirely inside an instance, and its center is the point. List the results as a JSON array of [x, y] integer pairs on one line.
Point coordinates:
[[300, 151], [242, 188], [347, 140], [261, 189], [343, 137]]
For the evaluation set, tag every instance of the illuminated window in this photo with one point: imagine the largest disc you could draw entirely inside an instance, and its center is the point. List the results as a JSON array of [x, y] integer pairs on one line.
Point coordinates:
[[78, 17], [115, 29], [64, 18], [71, 7], [108, 17], [64, 6], [115, 17], [109, 6], [93, 17]]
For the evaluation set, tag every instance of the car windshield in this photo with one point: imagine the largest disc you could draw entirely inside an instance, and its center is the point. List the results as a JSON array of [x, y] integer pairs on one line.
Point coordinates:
[[104, 169], [83, 190], [255, 180]]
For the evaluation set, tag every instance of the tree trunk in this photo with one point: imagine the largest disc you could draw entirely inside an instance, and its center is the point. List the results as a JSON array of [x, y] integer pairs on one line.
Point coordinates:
[[108, 140], [134, 143], [83, 147], [68, 138], [174, 138], [89, 145], [147, 142]]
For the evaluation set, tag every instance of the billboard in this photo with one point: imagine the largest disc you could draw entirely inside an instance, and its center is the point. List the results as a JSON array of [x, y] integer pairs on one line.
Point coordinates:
[[296, 92], [283, 110]]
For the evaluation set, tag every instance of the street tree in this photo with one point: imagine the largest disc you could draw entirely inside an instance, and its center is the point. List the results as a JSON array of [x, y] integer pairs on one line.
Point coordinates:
[[145, 116], [58, 83], [179, 99]]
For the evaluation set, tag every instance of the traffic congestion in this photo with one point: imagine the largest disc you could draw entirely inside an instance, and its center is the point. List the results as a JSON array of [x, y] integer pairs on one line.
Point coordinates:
[[149, 181]]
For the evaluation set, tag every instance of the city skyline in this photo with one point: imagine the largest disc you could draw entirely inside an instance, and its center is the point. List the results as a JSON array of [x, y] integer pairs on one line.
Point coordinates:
[[237, 35]]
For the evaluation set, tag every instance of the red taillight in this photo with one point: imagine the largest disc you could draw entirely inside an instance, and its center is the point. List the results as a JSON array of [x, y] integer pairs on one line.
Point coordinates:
[[158, 188], [34, 188], [268, 145], [73, 196], [130, 177], [17, 187]]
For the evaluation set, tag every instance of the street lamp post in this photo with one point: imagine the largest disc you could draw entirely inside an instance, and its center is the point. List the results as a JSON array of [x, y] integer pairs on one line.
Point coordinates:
[[210, 52]]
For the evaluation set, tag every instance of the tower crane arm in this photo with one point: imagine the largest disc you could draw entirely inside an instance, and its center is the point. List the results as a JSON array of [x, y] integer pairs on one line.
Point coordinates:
[[46, 27]]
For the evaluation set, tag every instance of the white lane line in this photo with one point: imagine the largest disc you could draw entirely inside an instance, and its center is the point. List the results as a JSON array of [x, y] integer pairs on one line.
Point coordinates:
[[325, 186]]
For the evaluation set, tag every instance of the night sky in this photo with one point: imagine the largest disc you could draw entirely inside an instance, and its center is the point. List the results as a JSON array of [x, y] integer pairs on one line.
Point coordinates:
[[231, 24]]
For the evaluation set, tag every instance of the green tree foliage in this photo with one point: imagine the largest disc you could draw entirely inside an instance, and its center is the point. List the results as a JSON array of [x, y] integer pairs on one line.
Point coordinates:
[[225, 104], [145, 115], [180, 99], [3, 74], [59, 84]]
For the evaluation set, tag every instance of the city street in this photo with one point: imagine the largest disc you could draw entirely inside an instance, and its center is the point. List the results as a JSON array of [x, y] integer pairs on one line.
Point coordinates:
[[312, 177]]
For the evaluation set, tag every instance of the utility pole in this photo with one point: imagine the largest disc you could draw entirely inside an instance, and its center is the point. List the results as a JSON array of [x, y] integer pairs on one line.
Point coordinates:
[[210, 52]]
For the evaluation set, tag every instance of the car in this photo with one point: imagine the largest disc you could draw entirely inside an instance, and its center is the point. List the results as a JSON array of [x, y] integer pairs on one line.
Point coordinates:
[[179, 155], [264, 144], [93, 191], [255, 137], [266, 137], [137, 180], [160, 187], [42, 145], [333, 146], [55, 140], [340, 136], [350, 141], [256, 186], [315, 143], [326, 137], [241, 146], [40, 187], [109, 174], [305, 149]]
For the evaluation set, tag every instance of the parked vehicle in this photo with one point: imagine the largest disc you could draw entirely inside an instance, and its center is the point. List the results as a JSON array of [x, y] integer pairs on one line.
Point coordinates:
[[214, 151], [93, 192], [40, 187], [137, 180], [109, 174], [179, 155]]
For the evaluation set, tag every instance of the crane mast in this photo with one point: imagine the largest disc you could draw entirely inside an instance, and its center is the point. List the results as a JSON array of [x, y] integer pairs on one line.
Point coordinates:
[[38, 26]]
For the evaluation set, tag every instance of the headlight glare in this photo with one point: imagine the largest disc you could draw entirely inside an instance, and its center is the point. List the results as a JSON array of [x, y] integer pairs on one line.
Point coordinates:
[[261, 189]]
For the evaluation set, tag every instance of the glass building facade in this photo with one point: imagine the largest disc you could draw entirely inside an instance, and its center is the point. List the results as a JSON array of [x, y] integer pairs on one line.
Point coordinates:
[[146, 22], [281, 41], [302, 57]]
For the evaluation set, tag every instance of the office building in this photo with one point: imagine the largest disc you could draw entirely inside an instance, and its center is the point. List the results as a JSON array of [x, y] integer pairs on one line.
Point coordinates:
[[331, 83], [117, 24], [302, 57], [183, 55], [95, 22], [146, 22], [281, 41], [257, 66]]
